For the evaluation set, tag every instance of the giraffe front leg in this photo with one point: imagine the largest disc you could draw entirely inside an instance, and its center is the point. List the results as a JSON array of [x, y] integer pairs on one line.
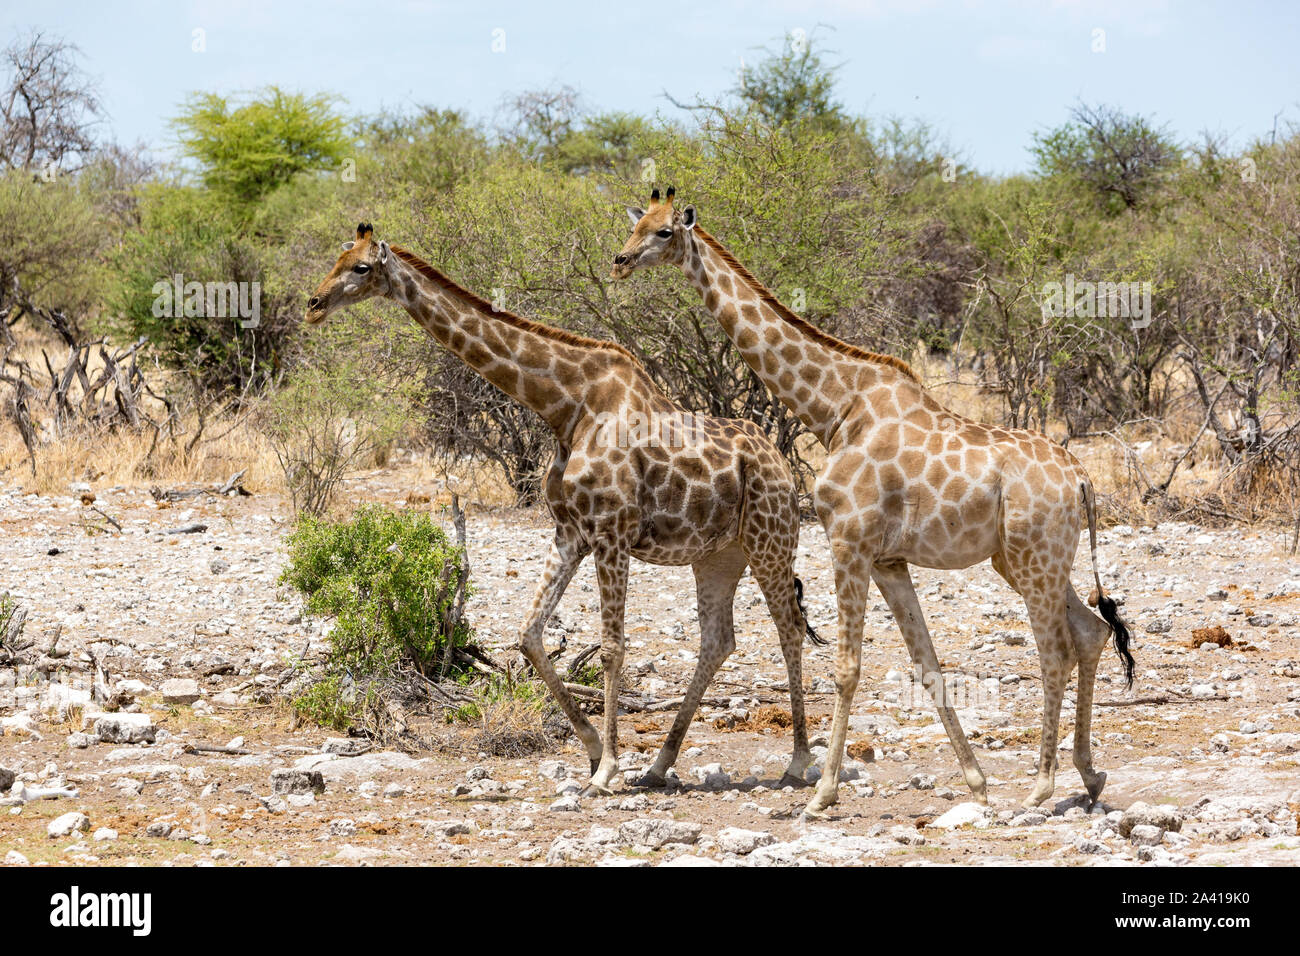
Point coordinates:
[[848, 664], [611, 575], [851, 583], [895, 583], [561, 564]]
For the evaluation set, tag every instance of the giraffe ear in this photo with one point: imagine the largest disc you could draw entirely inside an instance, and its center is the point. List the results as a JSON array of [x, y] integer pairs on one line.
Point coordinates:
[[634, 214], [348, 245], [383, 252], [688, 217]]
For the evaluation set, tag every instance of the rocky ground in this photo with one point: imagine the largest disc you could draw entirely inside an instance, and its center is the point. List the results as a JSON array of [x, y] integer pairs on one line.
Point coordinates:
[[191, 631]]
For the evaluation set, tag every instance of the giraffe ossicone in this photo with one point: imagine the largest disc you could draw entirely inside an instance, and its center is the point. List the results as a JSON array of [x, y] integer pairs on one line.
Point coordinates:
[[906, 481], [720, 499]]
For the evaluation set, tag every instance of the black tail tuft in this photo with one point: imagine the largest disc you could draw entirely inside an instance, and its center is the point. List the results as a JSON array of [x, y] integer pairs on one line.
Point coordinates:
[[813, 637], [1110, 614]]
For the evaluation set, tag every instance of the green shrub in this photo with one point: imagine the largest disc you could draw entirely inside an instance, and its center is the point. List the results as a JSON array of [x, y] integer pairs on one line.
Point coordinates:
[[328, 703], [192, 234], [49, 235], [393, 582]]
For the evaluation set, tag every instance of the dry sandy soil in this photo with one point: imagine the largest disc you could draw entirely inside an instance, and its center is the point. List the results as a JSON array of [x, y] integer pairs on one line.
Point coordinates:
[[1213, 751]]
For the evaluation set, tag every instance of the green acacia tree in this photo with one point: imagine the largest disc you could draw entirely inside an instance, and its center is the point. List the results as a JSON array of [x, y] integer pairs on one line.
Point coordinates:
[[226, 230], [1121, 158], [245, 151], [792, 86]]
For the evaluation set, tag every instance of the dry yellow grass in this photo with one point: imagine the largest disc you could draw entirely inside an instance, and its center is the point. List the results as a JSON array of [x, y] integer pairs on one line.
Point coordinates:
[[1116, 463], [233, 443], [122, 457], [110, 458], [228, 444]]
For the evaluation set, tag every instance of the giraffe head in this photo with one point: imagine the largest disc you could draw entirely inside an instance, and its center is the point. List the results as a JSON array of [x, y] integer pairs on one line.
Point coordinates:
[[659, 234], [358, 275]]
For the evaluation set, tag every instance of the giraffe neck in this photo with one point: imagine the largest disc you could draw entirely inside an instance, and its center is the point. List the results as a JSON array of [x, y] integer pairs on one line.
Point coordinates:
[[806, 371], [531, 363]]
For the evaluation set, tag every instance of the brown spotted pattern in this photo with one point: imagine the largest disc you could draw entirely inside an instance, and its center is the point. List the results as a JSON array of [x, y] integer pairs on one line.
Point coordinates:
[[906, 482], [718, 497]]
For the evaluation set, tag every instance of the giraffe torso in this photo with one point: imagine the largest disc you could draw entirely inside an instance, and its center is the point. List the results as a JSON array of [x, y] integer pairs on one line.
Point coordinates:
[[683, 479], [913, 481]]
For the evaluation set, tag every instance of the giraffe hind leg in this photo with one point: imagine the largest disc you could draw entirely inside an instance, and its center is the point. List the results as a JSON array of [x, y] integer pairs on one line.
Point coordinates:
[[612, 559], [1089, 634], [1062, 636], [778, 584], [1056, 655]]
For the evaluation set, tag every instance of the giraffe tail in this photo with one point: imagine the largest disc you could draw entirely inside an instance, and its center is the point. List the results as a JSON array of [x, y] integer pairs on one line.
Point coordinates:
[[812, 635], [1104, 604]]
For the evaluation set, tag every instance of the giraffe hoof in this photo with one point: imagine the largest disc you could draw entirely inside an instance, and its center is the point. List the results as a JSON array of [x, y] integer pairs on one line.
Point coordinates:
[[650, 781], [818, 805], [597, 790], [790, 780], [1095, 787]]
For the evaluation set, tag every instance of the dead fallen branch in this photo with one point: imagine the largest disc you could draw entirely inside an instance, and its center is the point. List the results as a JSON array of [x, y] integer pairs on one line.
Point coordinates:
[[582, 657], [630, 704], [230, 486], [1160, 699], [107, 517], [481, 659], [213, 749], [636, 705], [674, 702]]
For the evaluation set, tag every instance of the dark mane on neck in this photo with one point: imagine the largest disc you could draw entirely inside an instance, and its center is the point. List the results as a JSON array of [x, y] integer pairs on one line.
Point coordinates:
[[518, 321], [800, 323]]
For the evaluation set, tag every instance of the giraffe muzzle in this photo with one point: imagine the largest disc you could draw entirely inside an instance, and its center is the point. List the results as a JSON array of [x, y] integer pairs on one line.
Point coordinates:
[[622, 266], [315, 310]]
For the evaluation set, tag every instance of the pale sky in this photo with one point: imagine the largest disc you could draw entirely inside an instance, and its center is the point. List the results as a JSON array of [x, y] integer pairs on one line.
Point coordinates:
[[986, 75]]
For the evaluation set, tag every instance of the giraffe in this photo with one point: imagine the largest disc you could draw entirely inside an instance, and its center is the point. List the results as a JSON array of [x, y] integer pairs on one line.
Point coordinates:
[[634, 475], [908, 482]]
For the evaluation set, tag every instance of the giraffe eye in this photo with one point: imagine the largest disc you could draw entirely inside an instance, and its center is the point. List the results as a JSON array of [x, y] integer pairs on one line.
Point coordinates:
[[664, 233], [361, 268]]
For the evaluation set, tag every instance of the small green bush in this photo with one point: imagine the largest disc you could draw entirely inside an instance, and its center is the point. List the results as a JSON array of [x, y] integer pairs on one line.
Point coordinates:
[[589, 674], [392, 581], [497, 692], [328, 703]]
